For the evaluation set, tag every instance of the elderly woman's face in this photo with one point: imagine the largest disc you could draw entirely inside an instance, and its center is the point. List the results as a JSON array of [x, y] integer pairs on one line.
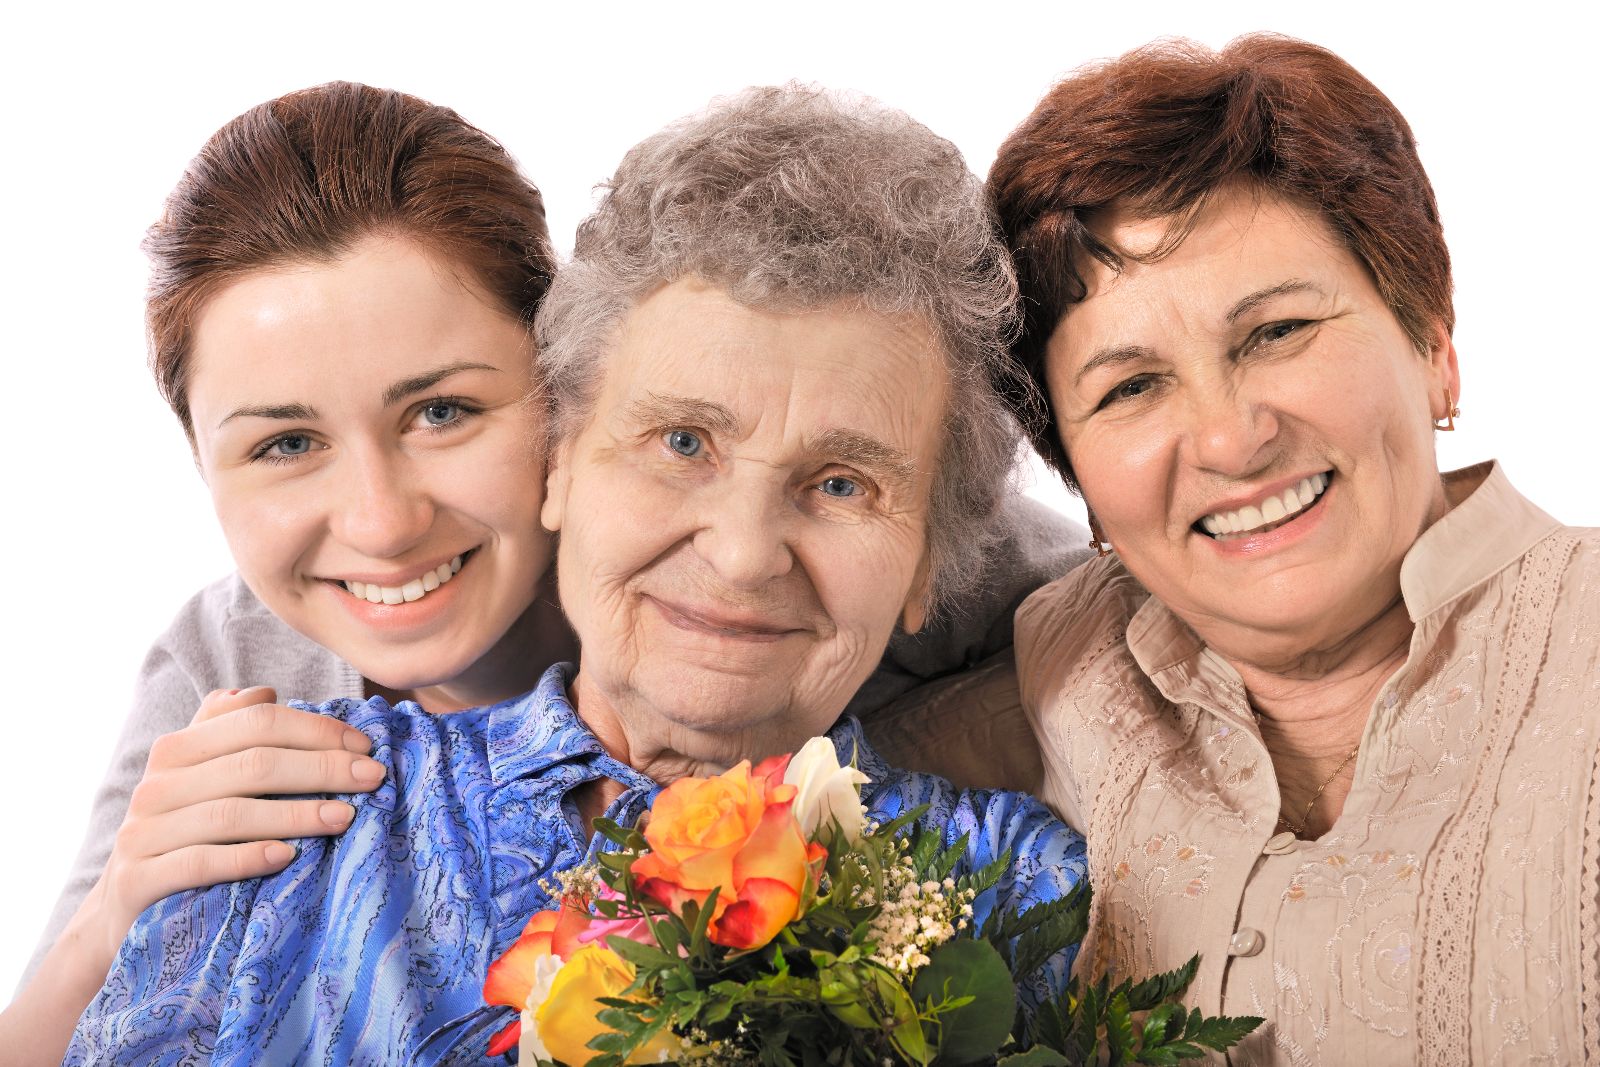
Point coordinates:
[[743, 518], [1251, 425]]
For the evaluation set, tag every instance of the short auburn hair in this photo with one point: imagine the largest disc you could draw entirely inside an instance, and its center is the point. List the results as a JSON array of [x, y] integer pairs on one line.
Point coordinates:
[[307, 176], [1160, 130]]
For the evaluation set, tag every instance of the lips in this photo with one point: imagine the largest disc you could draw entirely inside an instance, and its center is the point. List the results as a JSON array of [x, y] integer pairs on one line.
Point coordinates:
[[1267, 513], [409, 590], [722, 623]]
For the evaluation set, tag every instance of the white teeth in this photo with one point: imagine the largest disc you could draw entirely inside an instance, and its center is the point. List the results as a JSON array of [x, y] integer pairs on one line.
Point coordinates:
[[411, 591], [1273, 509]]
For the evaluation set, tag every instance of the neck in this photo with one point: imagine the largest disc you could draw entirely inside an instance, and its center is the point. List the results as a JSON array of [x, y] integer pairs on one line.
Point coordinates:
[[665, 751], [1312, 712], [1314, 699], [538, 638]]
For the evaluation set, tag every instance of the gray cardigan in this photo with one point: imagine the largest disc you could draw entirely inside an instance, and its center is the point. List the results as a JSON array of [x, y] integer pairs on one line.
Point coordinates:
[[225, 638]]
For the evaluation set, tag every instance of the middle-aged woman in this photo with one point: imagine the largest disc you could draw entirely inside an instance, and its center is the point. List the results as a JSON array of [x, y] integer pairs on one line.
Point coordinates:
[[1326, 715], [773, 441]]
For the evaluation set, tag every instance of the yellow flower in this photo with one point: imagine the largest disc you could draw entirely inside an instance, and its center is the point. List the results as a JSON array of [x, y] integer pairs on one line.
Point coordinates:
[[565, 1022]]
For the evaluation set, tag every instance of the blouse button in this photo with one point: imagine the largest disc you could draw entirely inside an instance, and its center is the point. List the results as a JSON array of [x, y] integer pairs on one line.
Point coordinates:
[[1246, 942], [1278, 844]]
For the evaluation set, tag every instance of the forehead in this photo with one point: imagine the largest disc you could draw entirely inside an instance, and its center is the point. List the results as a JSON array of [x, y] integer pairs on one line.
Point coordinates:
[[377, 313], [792, 371], [1242, 241]]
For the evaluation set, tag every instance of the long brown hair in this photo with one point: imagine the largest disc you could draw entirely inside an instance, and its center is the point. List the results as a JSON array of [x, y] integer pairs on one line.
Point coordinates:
[[304, 177], [1160, 129]]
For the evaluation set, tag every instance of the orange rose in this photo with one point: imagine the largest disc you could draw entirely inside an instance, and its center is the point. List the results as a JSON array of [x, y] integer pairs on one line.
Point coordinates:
[[734, 833]]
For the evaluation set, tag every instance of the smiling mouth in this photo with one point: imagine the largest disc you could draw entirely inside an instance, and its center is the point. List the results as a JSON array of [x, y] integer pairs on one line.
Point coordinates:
[[720, 627], [411, 591], [1268, 514]]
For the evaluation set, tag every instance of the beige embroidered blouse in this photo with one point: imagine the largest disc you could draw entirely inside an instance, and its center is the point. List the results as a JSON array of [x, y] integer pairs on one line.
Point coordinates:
[[1452, 914]]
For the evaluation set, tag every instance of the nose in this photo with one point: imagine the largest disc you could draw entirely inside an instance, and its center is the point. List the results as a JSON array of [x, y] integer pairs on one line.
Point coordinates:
[[1229, 432], [744, 531], [382, 508]]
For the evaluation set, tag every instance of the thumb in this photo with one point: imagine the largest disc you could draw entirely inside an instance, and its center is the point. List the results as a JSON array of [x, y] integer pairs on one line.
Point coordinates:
[[221, 701]]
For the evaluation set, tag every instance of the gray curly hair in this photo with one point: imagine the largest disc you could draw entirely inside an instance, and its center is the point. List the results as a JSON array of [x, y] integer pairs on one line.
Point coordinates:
[[793, 198]]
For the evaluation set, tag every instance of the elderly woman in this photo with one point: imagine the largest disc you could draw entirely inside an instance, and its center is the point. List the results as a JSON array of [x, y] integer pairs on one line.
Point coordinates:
[[773, 442], [1326, 715]]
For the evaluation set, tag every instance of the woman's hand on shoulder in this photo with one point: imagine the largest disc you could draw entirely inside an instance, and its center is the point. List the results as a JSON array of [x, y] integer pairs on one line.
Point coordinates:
[[200, 814]]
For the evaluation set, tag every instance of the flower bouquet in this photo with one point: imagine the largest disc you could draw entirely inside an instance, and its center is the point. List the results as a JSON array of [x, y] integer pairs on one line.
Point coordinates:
[[756, 917]]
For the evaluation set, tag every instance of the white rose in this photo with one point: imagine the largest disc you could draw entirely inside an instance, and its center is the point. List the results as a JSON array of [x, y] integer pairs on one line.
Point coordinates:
[[530, 1046], [826, 790]]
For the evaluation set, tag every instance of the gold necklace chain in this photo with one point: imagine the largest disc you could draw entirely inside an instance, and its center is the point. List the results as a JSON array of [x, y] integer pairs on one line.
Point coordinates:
[[1305, 817]]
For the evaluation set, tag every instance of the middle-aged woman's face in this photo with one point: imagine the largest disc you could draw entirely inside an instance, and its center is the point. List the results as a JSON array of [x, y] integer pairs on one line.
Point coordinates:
[[365, 430], [1250, 424], [743, 518]]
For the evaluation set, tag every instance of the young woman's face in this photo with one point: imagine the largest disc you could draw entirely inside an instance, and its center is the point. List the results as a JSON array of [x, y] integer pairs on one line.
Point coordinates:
[[366, 432]]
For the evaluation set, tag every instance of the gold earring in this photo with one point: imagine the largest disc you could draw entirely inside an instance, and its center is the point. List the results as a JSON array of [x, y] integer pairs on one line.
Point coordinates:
[[1101, 548], [1451, 414]]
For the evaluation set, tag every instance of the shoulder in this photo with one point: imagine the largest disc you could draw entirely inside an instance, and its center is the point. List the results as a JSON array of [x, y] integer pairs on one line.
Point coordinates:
[[224, 637], [1073, 622]]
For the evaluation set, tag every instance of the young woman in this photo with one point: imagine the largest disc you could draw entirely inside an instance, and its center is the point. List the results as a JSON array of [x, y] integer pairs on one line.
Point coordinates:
[[338, 314]]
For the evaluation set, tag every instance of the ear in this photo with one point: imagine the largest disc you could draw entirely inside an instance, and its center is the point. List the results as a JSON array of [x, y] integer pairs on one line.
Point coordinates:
[[1444, 372], [915, 612], [557, 479]]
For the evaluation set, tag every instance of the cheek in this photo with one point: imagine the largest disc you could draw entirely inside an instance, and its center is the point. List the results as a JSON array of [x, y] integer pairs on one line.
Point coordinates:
[[862, 580], [1124, 472], [267, 530]]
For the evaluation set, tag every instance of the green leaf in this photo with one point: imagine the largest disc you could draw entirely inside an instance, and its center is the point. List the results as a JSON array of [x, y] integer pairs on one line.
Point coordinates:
[[1038, 1056], [640, 955], [1119, 1029], [1223, 1032], [968, 968], [1045, 930], [1163, 987], [1158, 1023]]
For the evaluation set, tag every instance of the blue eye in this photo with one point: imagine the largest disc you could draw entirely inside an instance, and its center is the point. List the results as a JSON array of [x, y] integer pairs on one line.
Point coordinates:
[[839, 487], [440, 413], [294, 444], [684, 443]]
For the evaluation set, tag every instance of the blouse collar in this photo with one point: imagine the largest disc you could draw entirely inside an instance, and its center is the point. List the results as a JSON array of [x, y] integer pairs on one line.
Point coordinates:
[[532, 733], [1488, 530]]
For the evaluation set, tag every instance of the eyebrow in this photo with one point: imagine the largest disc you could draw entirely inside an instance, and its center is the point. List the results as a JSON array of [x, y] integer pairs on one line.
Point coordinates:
[[665, 409], [1249, 303], [392, 395], [851, 447], [862, 450], [271, 411], [1118, 354], [423, 382], [1108, 357]]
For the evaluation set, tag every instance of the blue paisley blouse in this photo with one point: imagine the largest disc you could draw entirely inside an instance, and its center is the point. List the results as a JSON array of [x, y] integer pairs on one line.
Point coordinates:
[[371, 947]]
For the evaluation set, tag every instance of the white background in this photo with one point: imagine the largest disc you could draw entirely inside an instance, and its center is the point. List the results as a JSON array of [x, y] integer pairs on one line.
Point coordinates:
[[107, 529]]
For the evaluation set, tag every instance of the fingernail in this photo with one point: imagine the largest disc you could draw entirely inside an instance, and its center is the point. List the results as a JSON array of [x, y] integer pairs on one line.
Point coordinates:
[[234, 693], [278, 852], [368, 770], [356, 741], [336, 814]]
